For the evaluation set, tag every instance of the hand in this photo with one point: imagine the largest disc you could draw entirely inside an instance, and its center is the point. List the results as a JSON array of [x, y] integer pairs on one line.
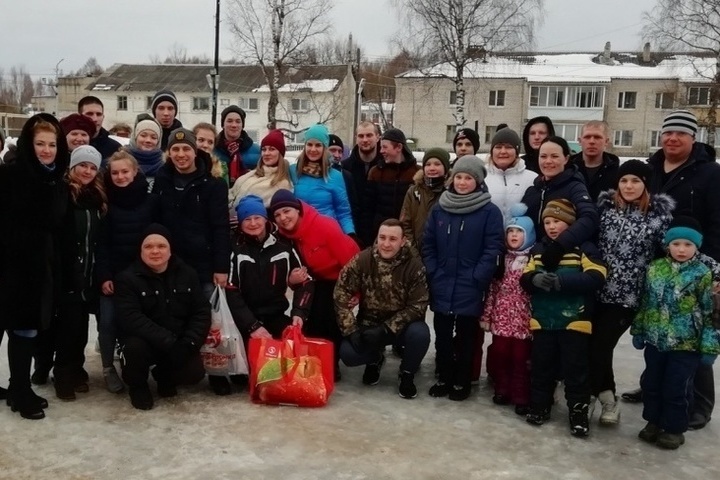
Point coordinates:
[[543, 281], [638, 342], [298, 276], [297, 321], [108, 288], [552, 255], [356, 341], [375, 337], [260, 333], [220, 279], [485, 326], [707, 359], [180, 353], [555, 281], [716, 287], [354, 301]]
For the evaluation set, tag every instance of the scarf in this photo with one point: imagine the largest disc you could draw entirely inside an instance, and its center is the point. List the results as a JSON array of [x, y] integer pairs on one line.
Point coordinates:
[[236, 169], [434, 184], [461, 204], [313, 169], [129, 196], [149, 162]]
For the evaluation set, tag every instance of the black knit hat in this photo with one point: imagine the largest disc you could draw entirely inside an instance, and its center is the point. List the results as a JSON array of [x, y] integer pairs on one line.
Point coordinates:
[[335, 141], [634, 167], [284, 198], [163, 96], [395, 135], [157, 229], [232, 109], [471, 135], [182, 135]]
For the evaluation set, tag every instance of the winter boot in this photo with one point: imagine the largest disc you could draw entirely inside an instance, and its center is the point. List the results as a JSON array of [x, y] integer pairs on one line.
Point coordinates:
[[406, 387], [670, 441], [522, 410], [650, 433], [81, 379], [538, 415], [141, 397], [21, 398], [633, 396], [219, 384], [458, 393], [440, 389], [112, 380], [579, 424], [500, 399], [3, 393], [371, 375], [610, 408], [240, 381]]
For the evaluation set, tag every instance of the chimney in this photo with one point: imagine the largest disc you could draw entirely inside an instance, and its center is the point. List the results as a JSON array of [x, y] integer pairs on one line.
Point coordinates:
[[607, 59], [646, 57]]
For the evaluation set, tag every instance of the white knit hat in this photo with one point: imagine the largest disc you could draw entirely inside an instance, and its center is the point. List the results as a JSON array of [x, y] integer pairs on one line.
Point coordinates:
[[85, 153]]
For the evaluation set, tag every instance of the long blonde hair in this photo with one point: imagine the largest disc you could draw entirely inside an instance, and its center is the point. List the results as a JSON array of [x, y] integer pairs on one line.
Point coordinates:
[[98, 184], [324, 163], [283, 171]]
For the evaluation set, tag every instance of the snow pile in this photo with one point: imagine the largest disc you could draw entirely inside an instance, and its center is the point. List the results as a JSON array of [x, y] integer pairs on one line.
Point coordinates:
[[322, 85]]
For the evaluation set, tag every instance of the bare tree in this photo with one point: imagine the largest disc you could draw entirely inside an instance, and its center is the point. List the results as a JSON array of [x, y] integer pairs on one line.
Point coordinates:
[[695, 25], [91, 67], [273, 33], [455, 32]]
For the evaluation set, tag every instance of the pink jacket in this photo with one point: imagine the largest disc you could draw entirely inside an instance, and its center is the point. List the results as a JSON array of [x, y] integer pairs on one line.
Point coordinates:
[[507, 307]]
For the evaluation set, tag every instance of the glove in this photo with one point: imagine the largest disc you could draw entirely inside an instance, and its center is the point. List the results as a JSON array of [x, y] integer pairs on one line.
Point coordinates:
[[355, 340], [552, 255], [375, 337], [543, 281], [555, 281], [707, 359], [638, 342], [180, 353]]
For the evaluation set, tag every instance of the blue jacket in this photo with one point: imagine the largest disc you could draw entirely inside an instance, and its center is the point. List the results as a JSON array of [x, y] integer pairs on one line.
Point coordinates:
[[328, 196], [460, 253], [249, 152]]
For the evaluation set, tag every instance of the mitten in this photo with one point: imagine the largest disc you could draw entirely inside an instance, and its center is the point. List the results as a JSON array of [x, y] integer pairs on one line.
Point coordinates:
[[708, 359], [375, 337], [543, 281], [552, 255], [638, 342], [355, 340]]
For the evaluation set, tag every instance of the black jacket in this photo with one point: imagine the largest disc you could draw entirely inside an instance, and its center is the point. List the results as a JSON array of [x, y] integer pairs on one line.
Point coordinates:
[[531, 155], [352, 194], [695, 187], [104, 144], [359, 171], [166, 133], [197, 216], [604, 179]]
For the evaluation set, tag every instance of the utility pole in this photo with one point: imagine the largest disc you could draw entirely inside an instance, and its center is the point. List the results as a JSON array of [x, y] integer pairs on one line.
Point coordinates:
[[215, 72], [57, 74]]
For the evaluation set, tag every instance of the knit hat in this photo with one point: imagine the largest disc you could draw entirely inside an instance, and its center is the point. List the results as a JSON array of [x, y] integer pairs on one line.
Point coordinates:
[[85, 153], [163, 96], [395, 135], [469, 134], [519, 220], [439, 153], [274, 138], [157, 229], [508, 137], [471, 165], [634, 167], [684, 227], [561, 209], [250, 205], [318, 132], [335, 141], [284, 198], [680, 121], [75, 121], [147, 123], [182, 135], [232, 109]]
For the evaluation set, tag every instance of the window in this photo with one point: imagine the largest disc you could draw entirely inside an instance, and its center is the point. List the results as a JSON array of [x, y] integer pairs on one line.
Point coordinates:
[[201, 103], [453, 97], [300, 104], [251, 104], [664, 100], [655, 139], [623, 138], [568, 131], [450, 133], [569, 97], [626, 100], [703, 137], [122, 102], [497, 98], [224, 102], [490, 131], [699, 96], [148, 102]]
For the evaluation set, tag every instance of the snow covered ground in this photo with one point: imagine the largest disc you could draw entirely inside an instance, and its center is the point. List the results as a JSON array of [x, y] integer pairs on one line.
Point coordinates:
[[364, 433]]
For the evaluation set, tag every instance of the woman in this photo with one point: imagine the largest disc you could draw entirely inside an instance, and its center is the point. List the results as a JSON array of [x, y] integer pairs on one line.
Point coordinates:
[[33, 203], [205, 134], [420, 197], [131, 209], [271, 174], [560, 179], [463, 240], [507, 178], [145, 147], [632, 227], [535, 132], [234, 147], [325, 250], [319, 185]]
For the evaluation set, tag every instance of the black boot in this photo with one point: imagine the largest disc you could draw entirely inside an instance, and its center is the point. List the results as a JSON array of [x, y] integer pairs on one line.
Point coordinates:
[[21, 398]]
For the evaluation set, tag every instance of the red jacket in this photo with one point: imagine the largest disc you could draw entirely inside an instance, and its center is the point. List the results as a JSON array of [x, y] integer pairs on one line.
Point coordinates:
[[323, 246]]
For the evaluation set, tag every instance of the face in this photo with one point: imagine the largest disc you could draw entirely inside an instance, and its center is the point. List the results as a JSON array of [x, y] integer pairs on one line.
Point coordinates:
[[464, 183], [389, 241], [147, 140], [165, 113], [77, 138], [233, 126], [682, 250], [552, 160], [390, 150], [122, 173], [183, 156], [677, 144], [504, 156], [314, 150], [95, 113], [336, 152], [434, 168], [631, 188], [593, 141], [554, 227], [45, 145], [514, 238], [270, 156], [366, 138], [537, 134], [464, 147], [254, 225], [205, 140], [84, 173], [155, 252], [287, 218]]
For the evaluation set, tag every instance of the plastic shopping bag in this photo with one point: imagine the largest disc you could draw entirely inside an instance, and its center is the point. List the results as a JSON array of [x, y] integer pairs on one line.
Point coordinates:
[[295, 370], [223, 352]]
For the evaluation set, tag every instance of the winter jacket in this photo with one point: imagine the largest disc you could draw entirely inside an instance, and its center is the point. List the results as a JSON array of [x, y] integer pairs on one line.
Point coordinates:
[[249, 154], [359, 171], [569, 185], [695, 187], [419, 199], [628, 242], [604, 179], [507, 307], [33, 205], [104, 144], [131, 210], [166, 133], [507, 187], [352, 194], [393, 292], [161, 308], [258, 282], [460, 253], [322, 245], [676, 308], [531, 156], [387, 184], [581, 273], [253, 184], [197, 217], [327, 195]]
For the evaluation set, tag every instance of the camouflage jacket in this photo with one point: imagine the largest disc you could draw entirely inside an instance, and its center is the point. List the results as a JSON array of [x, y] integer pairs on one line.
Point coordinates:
[[391, 291]]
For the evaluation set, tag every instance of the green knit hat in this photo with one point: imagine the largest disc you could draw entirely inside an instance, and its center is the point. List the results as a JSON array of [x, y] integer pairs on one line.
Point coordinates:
[[439, 153]]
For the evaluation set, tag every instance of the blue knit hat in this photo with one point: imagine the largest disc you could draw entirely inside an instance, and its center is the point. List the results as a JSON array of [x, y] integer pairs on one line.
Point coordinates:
[[684, 227], [318, 132], [519, 220], [250, 205]]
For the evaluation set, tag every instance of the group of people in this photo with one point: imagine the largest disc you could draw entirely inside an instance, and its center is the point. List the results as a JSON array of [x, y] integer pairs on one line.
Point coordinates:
[[555, 255]]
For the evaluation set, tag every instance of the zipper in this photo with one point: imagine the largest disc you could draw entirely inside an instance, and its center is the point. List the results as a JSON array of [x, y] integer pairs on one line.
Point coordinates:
[[542, 206]]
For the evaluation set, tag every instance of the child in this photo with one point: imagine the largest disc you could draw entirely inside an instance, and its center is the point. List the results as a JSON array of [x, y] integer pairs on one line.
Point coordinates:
[[507, 316], [562, 304], [674, 326]]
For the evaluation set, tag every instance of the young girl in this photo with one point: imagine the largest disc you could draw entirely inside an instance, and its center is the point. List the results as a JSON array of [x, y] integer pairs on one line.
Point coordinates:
[[674, 326], [205, 134], [507, 316], [145, 147]]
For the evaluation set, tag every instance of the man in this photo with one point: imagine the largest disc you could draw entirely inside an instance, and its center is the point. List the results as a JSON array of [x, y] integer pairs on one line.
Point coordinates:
[[686, 170], [387, 183], [337, 150], [393, 292], [163, 318], [364, 156], [78, 130], [94, 109], [164, 107], [598, 167], [234, 148], [466, 142]]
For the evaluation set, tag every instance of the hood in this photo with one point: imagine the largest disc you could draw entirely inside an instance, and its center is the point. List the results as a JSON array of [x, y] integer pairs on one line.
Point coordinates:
[[701, 153], [526, 133], [659, 202], [609, 159], [408, 159], [307, 220], [355, 157], [26, 151], [176, 124], [404, 254], [519, 167]]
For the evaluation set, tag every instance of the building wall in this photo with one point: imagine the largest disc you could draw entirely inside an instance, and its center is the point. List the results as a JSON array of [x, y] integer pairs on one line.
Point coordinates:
[[69, 92]]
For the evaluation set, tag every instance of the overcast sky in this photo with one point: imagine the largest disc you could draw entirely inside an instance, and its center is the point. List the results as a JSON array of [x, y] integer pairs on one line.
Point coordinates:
[[40, 33]]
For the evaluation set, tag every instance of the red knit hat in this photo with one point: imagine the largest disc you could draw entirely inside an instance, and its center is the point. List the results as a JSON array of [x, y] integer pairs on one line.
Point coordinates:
[[274, 138], [75, 121]]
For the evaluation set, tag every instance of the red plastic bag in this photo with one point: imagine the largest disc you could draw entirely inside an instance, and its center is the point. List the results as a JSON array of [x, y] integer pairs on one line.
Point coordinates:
[[293, 371]]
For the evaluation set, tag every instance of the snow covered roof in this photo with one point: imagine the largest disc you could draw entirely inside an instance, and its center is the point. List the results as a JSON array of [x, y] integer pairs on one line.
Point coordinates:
[[320, 85], [579, 68]]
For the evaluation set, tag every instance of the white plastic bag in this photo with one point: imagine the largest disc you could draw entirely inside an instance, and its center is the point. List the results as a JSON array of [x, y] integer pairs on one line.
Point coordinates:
[[224, 351]]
